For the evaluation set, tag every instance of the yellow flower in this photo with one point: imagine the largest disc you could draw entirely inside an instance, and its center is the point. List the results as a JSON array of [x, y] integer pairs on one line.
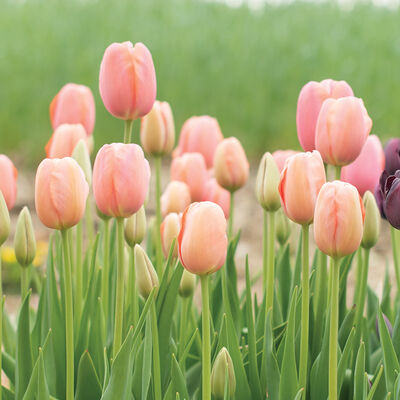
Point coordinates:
[[8, 255]]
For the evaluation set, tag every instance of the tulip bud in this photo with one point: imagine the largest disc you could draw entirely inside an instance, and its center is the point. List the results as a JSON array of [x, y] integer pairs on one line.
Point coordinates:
[[392, 156], [81, 155], [223, 369], [218, 195], [135, 228], [267, 183], [175, 198], [188, 284], [282, 227], [8, 181], [24, 240], [169, 232], [372, 221], [146, 276], [4, 220]]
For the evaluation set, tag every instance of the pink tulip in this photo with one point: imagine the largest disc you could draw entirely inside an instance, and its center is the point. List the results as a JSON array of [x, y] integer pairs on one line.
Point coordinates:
[[231, 167], [191, 169], [170, 228], [342, 129], [121, 177], [61, 191], [64, 139], [218, 195], [301, 180], [202, 240], [311, 97], [365, 171], [338, 220], [280, 157], [8, 181], [200, 135], [127, 80], [157, 130], [73, 104], [175, 198]]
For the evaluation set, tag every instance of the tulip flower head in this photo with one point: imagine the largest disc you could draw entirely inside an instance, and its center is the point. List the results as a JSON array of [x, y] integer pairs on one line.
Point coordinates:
[[392, 156], [300, 183], [127, 80], [390, 189], [135, 228], [24, 240], [8, 181], [73, 104], [202, 240], [60, 192], [338, 220], [200, 135], [217, 194], [343, 126], [121, 177], [311, 97], [170, 228], [280, 157], [146, 275], [231, 167], [223, 369], [175, 198], [157, 130], [372, 221]]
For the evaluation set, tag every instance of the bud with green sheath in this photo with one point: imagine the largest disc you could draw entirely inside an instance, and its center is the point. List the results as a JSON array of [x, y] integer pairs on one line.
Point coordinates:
[[188, 284], [282, 227], [81, 156], [222, 370], [24, 240], [146, 276], [135, 228], [372, 221]]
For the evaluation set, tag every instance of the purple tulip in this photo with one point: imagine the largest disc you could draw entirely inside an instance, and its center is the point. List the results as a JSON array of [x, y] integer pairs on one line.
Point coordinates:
[[379, 197], [392, 156], [390, 189]]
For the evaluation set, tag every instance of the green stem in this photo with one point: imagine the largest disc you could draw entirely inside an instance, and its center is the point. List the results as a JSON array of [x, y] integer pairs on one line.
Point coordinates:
[[362, 290], [69, 321], [78, 272], [206, 351], [183, 325], [271, 262], [128, 130], [156, 353], [231, 212], [119, 300], [159, 255], [333, 333], [265, 252], [89, 220], [304, 310], [106, 268], [338, 171], [358, 275], [395, 257], [24, 282]]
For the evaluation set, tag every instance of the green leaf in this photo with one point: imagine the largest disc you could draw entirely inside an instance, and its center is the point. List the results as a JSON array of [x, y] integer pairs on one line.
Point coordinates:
[[385, 303], [359, 371], [345, 328], [147, 360], [375, 383], [37, 388], [284, 279], [9, 334], [88, 385], [178, 380], [7, 394], [345, 358], [299, 395]]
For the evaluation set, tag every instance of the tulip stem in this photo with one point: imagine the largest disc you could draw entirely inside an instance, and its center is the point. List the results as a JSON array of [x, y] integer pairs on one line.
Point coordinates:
[[231, 211], [395, 257], [271, 262], [119, 299], [106, 267], [159, 256], [338, 171], [78, 273], [128, 130], [206, 351], [156, 353], [69, 321], [362, 290], [333, 333], [265, 252], [303, 367]]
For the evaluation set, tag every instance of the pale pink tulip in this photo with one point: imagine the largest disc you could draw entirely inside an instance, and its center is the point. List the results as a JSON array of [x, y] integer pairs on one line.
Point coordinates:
[[217, 194], [170, 228], [64, 140], [280, 157], [175, 198], [8, 181]]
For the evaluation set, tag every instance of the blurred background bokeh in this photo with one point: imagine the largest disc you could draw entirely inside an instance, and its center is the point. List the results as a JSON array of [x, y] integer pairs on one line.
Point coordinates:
[[243, 63]]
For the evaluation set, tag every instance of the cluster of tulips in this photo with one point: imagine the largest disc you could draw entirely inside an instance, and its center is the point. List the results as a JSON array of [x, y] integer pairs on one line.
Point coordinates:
[[116, 320]]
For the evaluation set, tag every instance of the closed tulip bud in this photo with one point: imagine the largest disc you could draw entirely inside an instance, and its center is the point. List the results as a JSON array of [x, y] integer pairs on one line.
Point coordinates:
[[200, 135], [73, 104], [60, 192], [202, 240], [146, 276], [231, 167], [338, 220], [390, 188], [301, 180], [169, 233], [121, 177], [135, 228], [127, 80], [175, 198], [282, 227], [365, 171], [372, 222], [218, 195], [188, 284], [81, 156], [4, 220], [311, 97], [280, 157], [267, 183], [392, 156], [191, 169], [8, 181], [342, 129], [157, 130], [24, 240], [223, 369], [64, 140]]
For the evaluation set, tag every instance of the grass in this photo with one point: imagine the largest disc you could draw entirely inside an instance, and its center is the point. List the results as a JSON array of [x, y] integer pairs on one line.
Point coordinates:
[[244, 67]]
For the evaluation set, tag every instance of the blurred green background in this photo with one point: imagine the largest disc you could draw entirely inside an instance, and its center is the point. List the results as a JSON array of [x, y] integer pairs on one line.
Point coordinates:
[[243, 66]]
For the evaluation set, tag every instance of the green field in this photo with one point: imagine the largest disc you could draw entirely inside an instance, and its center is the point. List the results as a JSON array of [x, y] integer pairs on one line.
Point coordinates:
[[243, 67]]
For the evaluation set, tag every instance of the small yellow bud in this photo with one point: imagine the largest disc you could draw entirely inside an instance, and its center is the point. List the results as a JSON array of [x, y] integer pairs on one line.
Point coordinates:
[[282, 227], [267, 183], [81, 156], [222, 368], [135, 228], [188, 284], [146, 276], [372, 221], [24, 240], [4, 220]]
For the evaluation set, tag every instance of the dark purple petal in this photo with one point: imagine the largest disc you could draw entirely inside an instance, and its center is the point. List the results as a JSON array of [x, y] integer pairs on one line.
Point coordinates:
[[392, 201], [380, 200], [392, 156]]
